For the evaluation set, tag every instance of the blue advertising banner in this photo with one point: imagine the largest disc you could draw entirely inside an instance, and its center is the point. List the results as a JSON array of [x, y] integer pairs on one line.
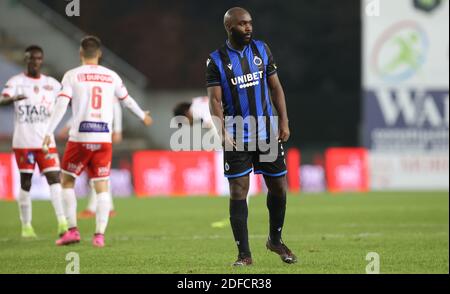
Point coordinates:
[[402, 119]]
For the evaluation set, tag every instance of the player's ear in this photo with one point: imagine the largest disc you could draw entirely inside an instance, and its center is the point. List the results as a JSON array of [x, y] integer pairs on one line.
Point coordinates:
[[228, 27], [26, 57], [100, 54]]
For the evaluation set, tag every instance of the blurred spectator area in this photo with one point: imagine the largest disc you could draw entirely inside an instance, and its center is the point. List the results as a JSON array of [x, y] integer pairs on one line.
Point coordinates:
[[317, 46]]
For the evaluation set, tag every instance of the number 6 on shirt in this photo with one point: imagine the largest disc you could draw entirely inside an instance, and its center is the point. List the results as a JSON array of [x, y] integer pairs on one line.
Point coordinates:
[[96, 99]]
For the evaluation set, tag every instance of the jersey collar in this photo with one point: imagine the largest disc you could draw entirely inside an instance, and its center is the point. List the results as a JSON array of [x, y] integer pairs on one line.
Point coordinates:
[[241, 53], [33, 78]]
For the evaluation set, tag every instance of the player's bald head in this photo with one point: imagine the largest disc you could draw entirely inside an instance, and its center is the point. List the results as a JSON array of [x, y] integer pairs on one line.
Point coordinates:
[[233, 16]]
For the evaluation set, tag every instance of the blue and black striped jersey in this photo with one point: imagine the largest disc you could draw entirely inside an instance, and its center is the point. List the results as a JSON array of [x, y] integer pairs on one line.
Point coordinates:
[[242, 75]]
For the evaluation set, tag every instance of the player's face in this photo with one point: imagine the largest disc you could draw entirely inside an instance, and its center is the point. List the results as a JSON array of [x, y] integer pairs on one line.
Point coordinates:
[[242, 29], [34, 60]]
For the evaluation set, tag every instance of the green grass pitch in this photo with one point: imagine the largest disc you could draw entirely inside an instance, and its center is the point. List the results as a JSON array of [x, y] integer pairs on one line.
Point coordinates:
[[329, 234]]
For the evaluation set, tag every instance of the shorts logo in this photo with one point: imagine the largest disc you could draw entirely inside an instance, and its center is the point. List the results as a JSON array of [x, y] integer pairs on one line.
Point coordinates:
[[92, 147], [103, 171], [227, 166], [257, 61], [52, 156], [93, 127], [74, 168], [30, 158]]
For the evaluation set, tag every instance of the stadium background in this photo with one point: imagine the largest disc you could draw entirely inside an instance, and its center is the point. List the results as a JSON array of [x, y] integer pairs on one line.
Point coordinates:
[[363, 117], [160, 47]]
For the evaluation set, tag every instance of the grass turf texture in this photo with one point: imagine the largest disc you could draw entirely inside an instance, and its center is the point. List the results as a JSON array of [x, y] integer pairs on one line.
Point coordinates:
[[329, 234]]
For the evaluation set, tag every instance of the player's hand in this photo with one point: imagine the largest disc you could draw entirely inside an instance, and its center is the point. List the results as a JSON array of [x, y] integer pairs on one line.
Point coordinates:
[[284, 133], [148, 120], [19, 97], [227, 141], [116, 137], [46, 143]]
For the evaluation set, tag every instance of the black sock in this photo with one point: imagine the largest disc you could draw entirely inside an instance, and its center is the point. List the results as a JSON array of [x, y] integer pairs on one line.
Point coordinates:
[[238, 220], [277, 209]]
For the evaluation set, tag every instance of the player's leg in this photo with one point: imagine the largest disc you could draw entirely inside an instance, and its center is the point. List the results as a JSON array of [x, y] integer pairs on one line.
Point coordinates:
[[238, 217], [276, 204], [54, 181], [91, 208], [26, 161], [92, 204], [25, 208], [72, 235], [102, 212], [274, 172], [74, 161], [49, 165], [70, 209], [69, 199], [112, 211], [89, 212], [99, 169], [237, 167]]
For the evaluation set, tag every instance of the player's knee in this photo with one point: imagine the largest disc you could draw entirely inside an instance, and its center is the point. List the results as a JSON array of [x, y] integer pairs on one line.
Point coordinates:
[[67, 182], [25, 182], [53, 178], [279, 190], [238, 191]]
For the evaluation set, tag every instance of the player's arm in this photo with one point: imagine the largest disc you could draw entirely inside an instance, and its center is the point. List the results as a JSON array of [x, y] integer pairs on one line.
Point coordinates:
[[278, 98], [131, 104], [7, 100], [117, 122], [9, 95], [215, 104], [62, 102], [64, 132], [58, 113], [121, 93], [279, 102], [214, 88]]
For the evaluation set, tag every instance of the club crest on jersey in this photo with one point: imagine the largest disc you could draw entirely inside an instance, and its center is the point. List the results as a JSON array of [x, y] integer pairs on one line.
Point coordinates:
[[36, 89], [230, 66], [48, 88], [257, 61]]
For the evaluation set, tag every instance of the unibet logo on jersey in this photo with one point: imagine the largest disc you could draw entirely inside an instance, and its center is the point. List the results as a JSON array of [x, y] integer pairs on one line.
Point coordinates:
[[248, 80]]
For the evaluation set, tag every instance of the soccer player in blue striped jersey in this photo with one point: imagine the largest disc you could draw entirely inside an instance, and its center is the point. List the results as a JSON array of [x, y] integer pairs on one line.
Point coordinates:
[[239, 76]]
